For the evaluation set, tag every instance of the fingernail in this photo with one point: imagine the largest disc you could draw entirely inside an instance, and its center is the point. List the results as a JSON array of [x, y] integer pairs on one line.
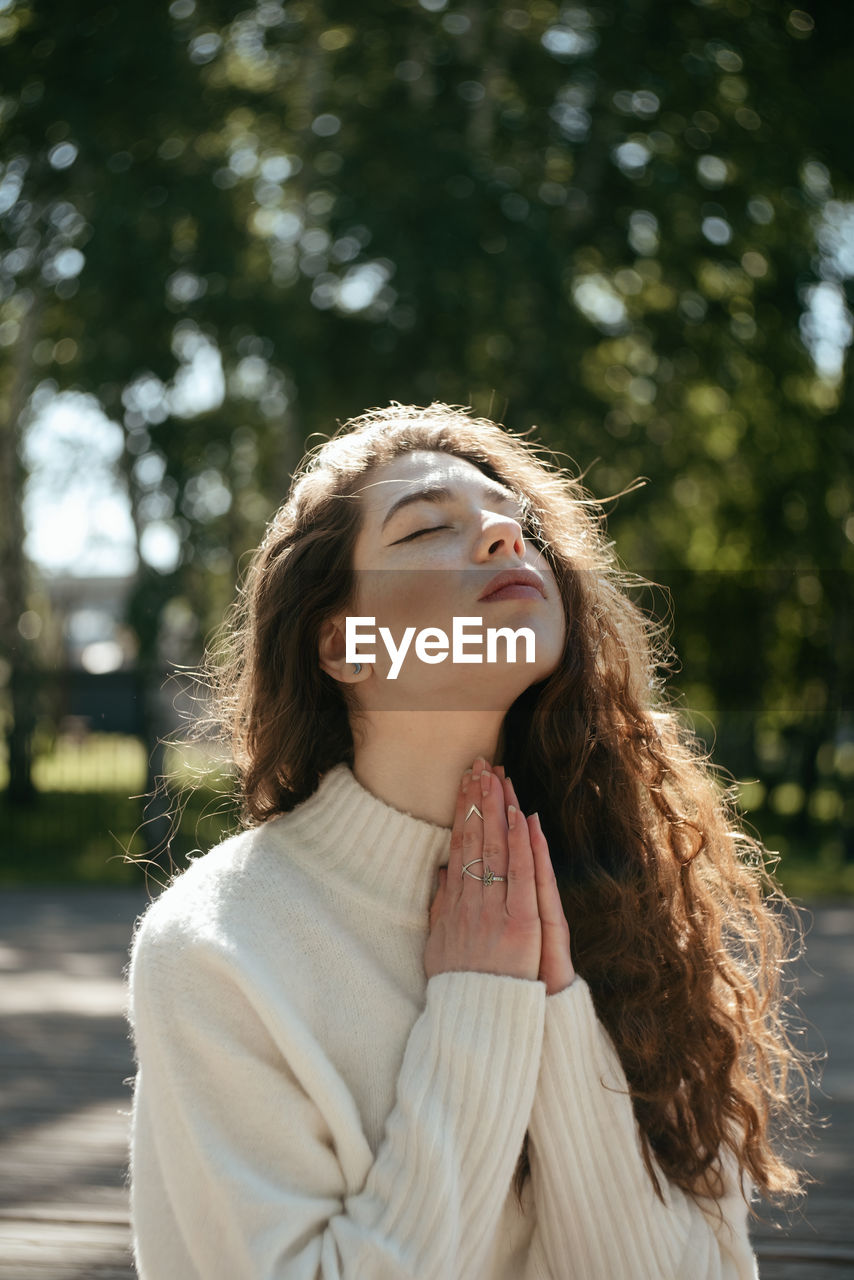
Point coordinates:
[[485, 781], [536, 818], [466, 780], [511, 816]]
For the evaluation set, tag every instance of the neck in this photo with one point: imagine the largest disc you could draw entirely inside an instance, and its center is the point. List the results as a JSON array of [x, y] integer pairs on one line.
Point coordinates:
[[415, 761]]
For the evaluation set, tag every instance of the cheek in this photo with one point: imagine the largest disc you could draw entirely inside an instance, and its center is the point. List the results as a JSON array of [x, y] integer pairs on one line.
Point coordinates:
[[419, 598], [397, 599], [422, 600], [556, 629]]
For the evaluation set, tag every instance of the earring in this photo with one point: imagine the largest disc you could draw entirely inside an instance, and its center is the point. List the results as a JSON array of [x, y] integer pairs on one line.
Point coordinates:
[[357, 667]]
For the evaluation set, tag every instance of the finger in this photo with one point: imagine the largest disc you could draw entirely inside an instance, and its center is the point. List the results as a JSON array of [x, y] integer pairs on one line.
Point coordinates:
[[549, 902], [472, 835], [495, 853], [548, 895], [510, 796], [556, 966], [509, 793], [521, 877], [455, 853]]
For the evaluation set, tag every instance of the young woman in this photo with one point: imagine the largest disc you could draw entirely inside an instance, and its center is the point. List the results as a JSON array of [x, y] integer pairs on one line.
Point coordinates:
[[487, 917]]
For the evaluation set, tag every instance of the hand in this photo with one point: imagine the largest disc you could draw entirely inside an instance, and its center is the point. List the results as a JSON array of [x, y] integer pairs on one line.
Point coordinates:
[[491, 928], [556, 967]]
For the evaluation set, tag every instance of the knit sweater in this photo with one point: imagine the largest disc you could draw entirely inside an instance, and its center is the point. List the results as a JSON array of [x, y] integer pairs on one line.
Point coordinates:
[[308, 1106]]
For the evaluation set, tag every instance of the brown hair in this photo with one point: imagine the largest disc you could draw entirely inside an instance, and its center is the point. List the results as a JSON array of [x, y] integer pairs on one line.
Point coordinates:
[[675, 920]]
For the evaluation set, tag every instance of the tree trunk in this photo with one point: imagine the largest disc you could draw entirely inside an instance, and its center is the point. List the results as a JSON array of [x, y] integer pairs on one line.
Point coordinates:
[[15, 647]]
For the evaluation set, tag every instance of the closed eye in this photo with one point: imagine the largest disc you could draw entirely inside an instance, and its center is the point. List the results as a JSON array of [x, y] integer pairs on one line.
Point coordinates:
[[418, 532], [527, 521]]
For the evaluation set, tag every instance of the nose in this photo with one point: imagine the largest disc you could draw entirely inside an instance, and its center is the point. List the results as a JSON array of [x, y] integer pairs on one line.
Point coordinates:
[[501, 533]]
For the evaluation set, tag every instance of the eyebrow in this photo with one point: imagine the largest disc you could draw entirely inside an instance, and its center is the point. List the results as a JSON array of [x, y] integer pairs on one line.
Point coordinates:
[[441, 493]]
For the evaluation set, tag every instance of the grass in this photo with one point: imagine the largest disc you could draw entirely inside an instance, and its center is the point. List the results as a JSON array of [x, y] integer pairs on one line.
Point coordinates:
[[88, 825], [101, 762], [97, 837], [802, 877]]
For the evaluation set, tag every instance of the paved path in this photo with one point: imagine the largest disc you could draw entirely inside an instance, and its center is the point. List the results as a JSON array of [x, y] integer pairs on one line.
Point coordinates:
[[66, 1067]]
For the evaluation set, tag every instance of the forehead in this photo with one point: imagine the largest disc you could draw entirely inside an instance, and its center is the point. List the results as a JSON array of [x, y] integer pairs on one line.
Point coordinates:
[[384, 484]]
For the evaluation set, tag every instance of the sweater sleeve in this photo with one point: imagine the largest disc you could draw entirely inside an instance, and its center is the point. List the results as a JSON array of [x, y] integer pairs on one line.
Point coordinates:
[[597, 1211], [234, 1166]]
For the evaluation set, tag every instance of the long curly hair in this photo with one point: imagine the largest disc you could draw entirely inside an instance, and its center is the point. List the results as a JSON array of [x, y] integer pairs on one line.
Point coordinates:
[[676, 923]]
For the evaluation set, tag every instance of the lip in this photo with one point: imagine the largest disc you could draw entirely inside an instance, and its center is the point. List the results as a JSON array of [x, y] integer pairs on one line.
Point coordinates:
[[513, 578]]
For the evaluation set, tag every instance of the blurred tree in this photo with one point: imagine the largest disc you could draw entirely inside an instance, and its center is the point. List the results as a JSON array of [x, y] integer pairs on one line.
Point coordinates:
[[620, 222], [100, 208], [15, 643]]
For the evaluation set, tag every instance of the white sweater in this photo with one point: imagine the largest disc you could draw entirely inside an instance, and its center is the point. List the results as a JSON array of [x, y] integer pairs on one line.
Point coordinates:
[[308, 1106]]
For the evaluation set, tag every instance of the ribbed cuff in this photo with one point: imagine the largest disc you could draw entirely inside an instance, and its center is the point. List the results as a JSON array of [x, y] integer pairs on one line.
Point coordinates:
[[597, 1199], [464, 1097]]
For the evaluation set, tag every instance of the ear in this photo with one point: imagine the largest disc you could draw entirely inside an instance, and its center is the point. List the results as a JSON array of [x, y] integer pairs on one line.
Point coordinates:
[[331, 652], [332, 648]]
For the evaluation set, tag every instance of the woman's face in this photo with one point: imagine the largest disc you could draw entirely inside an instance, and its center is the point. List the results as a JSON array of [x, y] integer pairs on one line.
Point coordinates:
[[421, 563]]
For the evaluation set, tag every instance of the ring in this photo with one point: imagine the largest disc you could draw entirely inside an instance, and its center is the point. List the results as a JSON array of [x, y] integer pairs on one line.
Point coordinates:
[[473, 809], [488, 877]]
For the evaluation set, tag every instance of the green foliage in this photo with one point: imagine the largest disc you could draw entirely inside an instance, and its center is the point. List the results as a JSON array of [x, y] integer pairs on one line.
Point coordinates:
[[98, 837], [603, 221], [88, 822]]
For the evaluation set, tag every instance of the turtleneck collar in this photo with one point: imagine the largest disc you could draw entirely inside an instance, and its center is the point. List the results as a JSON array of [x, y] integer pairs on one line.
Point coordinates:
[[347, 835]]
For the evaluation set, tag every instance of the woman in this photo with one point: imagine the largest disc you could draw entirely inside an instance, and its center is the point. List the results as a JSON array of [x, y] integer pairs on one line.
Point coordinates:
[[488, 916]]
